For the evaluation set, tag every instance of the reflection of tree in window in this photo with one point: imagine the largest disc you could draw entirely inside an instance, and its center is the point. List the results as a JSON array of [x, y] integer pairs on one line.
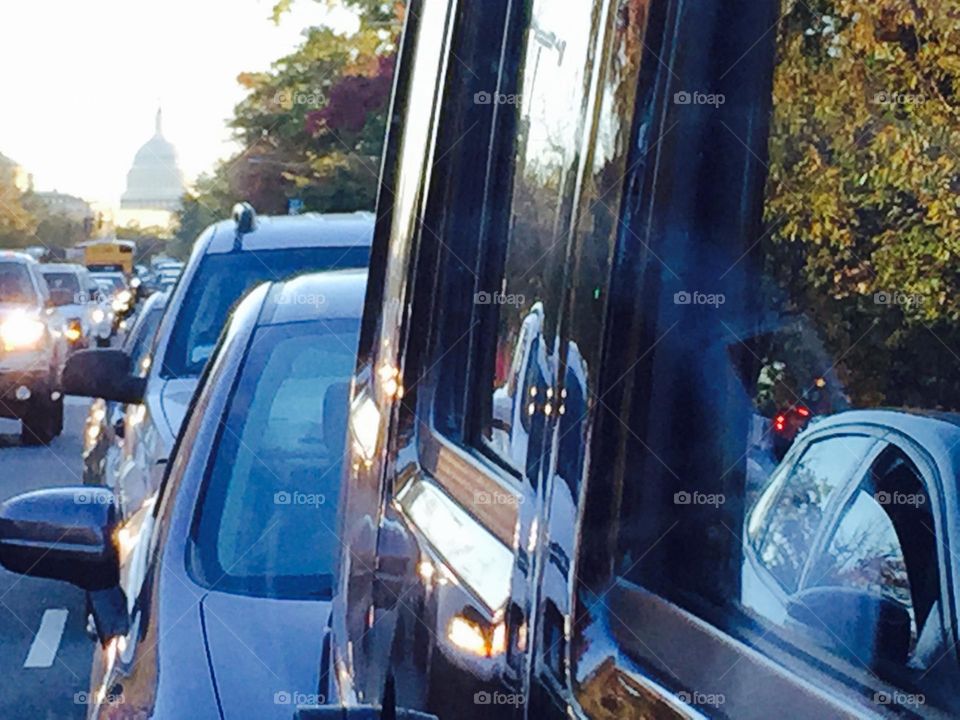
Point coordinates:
[[798, 512], [865, 553]]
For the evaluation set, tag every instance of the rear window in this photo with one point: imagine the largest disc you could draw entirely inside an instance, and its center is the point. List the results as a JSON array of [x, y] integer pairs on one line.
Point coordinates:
[[15, 285], [267, 514], [219, 284], [63, 281]]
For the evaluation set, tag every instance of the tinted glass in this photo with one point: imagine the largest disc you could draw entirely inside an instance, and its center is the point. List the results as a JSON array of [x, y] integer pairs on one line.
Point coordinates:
[[221, 281], [109, 283], [141, 339], [783, 533], [267, 519], [792, 287], [63, 281], [15, 285], [528, 294]]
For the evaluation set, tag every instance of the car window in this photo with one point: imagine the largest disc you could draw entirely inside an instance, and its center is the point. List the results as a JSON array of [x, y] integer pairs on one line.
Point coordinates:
[[221, 280], [63, 281], [788, 515], [268, 514], [141, 340], [864, 552], [524, 294], [15, 285]]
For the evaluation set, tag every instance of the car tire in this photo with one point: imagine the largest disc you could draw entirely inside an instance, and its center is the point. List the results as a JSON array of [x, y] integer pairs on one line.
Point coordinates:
[[39, 423], [103, 342], [58, 415]]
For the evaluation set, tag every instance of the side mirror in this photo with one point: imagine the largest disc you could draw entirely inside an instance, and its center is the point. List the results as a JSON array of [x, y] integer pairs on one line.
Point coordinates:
[[864, 626], [103, 373], [60, 297], [63, 533]]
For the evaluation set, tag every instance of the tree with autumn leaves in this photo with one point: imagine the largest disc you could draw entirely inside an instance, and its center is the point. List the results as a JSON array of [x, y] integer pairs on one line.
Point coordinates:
[[311, 128], [863, 213]]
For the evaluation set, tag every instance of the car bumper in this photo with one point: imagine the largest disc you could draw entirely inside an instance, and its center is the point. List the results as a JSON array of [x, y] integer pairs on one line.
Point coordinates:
[[18, 388]]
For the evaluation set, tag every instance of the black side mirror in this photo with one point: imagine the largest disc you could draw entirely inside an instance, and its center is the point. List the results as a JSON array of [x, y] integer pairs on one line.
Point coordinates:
[[864, 626], [60, 297], [62, 533], [103, 373]]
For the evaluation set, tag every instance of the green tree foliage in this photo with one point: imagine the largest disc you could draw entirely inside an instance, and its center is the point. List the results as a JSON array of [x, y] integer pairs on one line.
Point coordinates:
[[17, 224], [311, 128], [863, 219]]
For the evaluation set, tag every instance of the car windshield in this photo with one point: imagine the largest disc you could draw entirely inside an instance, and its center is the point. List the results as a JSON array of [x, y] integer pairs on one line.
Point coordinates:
[[15, 285], [109, 283], [63, 281], [222, 280], [267, 523]]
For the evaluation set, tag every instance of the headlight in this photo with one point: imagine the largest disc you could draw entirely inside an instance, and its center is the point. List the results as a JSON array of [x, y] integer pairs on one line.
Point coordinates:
[[98, 315], [74, 331], [19, 333], [124, 296]]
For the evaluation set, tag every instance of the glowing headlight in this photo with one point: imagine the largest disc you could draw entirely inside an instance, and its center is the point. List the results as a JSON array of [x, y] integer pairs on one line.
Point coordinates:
[[470, 636], [124, 296], [74, 331], [98, 315], [21, 332]]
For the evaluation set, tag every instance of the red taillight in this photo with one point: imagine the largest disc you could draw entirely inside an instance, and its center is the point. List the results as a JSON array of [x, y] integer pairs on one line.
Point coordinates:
[[779, 422], [803, 412]]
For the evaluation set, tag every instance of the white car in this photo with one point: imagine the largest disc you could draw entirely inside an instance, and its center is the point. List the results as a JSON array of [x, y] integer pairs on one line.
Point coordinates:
[[32, 350], [81, 304]]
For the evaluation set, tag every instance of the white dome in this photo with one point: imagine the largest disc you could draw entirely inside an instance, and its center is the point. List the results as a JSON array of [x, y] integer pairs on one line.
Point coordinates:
[[155, 181]]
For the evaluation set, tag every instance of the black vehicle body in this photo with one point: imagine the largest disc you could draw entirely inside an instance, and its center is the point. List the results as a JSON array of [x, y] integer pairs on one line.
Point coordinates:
[[536, 552], [177, 642]]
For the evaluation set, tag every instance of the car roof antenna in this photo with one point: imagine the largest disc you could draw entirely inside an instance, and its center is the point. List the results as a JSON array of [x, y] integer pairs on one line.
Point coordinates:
[[245, 218]]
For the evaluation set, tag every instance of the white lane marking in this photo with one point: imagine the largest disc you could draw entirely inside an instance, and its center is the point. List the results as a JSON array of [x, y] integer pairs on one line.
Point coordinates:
[[43, 650]]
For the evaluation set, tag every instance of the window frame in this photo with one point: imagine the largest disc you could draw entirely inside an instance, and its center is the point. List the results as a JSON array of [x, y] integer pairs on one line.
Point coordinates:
[[830, 508]]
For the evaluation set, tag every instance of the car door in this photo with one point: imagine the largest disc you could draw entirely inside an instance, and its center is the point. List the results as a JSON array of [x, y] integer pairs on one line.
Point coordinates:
[[875, 590]]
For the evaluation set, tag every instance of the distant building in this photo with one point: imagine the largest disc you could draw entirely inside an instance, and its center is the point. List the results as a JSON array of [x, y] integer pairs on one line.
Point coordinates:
[[69, 206], [155, 184]]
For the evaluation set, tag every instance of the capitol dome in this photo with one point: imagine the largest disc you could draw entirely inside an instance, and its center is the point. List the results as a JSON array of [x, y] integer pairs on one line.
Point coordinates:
[[155, 181]]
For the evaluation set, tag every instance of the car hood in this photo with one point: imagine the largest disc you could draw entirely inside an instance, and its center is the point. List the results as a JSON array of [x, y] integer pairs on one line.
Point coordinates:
[[264, 654], [174, 400]]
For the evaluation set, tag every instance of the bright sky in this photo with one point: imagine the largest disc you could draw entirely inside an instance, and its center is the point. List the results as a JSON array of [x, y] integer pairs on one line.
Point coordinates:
[[81, 79]]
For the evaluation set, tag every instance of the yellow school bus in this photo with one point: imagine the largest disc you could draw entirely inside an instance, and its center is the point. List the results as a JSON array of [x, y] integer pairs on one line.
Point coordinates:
[[109, 255]]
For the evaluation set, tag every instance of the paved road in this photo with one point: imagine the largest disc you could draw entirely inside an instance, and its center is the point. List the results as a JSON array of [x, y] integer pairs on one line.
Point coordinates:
[[45, 654]]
